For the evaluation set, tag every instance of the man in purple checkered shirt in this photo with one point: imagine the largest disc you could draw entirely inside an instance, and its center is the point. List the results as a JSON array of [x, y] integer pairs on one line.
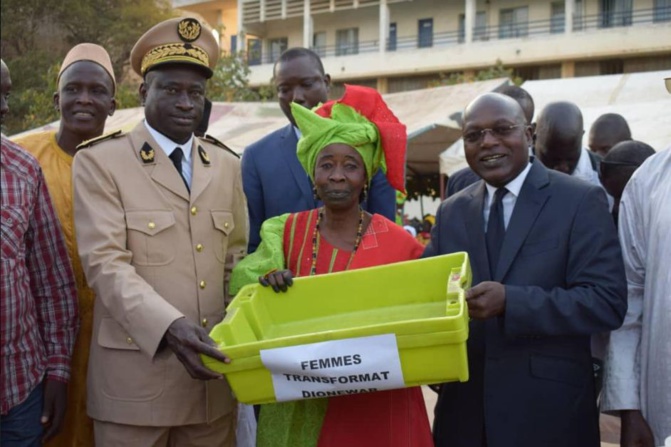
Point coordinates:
[[38, 301]]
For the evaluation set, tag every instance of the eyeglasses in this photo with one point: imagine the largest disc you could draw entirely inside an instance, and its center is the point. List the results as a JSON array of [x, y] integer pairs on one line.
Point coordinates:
[[497, 132]]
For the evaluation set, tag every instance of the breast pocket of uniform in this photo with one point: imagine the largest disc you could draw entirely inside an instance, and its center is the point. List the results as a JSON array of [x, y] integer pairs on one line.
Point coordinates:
[[223, 224], [150, 236]]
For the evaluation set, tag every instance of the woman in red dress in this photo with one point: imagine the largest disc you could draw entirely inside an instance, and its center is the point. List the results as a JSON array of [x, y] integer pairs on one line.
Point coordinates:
[[343, 143]]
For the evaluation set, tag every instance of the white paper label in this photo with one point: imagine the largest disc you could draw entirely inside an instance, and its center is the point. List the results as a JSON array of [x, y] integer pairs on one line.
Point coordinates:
[[334, 368]]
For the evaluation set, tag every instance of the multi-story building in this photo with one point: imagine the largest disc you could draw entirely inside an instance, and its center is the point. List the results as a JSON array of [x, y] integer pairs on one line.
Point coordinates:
[[398, 45]]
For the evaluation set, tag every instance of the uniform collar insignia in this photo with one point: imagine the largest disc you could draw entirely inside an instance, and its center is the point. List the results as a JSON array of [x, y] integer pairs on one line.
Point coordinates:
[[203, 156], [147, 153]]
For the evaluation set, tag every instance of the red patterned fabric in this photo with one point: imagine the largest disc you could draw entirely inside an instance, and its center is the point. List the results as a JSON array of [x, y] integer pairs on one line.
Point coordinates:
[[394, 418], [38, 300], [393, 136], [382, 243]]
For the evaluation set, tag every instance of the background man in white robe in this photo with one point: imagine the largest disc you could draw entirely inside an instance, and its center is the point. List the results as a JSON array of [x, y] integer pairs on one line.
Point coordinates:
[[638, 360]]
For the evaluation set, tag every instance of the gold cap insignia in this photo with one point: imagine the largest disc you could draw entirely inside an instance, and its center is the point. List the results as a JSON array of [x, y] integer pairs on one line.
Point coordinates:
[[189, 29], [203, 155], [147, 153], [177, 41]]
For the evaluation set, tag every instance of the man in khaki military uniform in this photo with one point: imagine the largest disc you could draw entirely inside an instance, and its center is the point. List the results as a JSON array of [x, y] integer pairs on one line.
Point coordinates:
[[161, 220]]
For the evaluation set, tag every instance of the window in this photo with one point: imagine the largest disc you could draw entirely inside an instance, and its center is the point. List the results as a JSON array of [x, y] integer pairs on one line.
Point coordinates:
[[616, 13], [578, 10], [234, 43], [425, 33], [536, 72], [319, 43], [347, 41], [254, 51], [391, 41], [479, 30], [557, 17], [514, 22], [276, 47], [611, 66], [662, 11]]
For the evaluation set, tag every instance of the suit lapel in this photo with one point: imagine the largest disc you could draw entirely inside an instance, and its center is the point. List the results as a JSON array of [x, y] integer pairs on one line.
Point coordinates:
[[202, 171], [528, 206], [475, 229], [288, 148], [160, 169]]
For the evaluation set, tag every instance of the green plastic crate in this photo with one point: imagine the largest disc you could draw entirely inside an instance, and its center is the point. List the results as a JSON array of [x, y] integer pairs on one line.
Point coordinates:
[[422, 302]]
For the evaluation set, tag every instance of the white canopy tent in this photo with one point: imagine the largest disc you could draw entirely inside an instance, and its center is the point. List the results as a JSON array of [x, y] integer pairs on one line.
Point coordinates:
[[432, 119], [426, 113], [640, 97], [236, 124]]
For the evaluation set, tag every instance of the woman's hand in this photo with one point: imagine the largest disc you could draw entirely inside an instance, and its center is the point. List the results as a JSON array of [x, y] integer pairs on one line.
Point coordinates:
[[278, 280]]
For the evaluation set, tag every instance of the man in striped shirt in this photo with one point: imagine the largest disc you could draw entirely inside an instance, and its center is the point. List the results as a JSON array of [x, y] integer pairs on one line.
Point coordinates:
[[38, 302]]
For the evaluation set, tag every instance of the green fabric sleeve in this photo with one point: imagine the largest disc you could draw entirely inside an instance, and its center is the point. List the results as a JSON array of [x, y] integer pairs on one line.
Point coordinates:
[[268, 256], [291, 424]]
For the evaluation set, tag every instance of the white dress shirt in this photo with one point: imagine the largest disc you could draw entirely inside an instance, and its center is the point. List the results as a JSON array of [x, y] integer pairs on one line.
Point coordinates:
[[584, 170], [167, 145], [514, 186]]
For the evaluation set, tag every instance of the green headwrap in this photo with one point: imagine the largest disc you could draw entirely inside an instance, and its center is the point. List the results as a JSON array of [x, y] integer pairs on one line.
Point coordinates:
[[345, 126]]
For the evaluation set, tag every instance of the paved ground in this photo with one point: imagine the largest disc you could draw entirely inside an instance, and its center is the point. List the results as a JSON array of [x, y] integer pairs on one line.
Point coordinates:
[[610, 426]]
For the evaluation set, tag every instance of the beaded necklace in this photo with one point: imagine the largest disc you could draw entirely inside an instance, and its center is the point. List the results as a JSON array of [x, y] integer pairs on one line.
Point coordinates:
[[316, 239]]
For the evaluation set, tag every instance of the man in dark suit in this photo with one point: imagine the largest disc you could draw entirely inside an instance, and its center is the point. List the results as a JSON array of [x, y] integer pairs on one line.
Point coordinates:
[[466, 176], [273, 179], [547, 274]]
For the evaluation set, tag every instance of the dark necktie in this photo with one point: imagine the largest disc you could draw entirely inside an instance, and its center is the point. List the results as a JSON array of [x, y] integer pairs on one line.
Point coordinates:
[[176, 157], [496, 230]]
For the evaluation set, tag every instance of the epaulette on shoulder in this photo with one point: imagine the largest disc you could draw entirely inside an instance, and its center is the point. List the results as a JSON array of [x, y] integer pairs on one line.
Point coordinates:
[[212, 140], [94, 141]]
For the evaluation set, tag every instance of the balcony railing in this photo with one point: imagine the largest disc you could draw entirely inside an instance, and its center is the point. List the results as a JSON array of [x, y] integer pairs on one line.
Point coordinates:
[[623, 18], [506, 31]]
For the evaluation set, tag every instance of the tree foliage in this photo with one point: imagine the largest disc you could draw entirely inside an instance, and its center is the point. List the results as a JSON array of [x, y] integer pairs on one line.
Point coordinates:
[[35, 106], [423, 185], [230, 81], [30, 27], [494, 72], [36, 35]]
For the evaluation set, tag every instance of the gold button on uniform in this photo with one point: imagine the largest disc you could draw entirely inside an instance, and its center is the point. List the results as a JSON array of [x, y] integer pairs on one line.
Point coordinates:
[[194, 210], [225, 224], [129, 341], [202, 284], [204, 322], [151, 225], [199, 248]]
